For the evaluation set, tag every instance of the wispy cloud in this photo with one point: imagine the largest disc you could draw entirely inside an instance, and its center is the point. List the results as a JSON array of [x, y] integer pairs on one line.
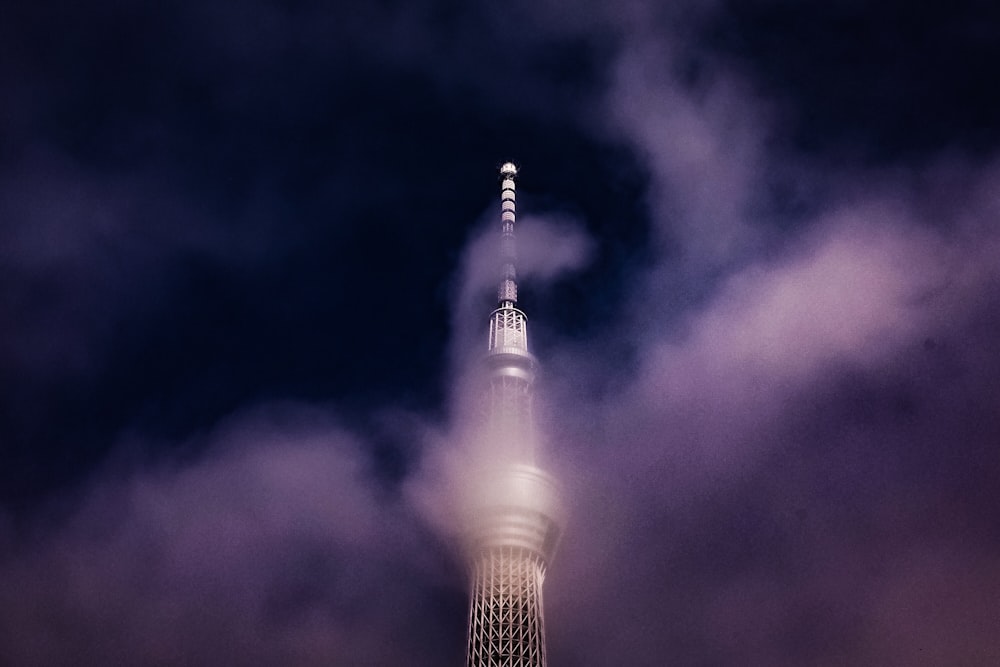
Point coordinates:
[[781, 449]]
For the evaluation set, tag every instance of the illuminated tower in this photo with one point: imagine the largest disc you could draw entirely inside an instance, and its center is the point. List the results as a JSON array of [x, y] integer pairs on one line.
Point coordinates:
[[515, 508]]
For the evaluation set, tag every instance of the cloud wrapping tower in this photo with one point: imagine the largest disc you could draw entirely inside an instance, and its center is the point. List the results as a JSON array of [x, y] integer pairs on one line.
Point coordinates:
[[514, 523]]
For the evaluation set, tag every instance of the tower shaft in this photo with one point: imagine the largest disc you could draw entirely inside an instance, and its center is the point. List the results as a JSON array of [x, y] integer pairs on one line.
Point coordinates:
[[506, 626], [514, 527]]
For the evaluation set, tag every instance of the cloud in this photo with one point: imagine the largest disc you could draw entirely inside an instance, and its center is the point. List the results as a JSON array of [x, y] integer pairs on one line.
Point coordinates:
[[780, 450], [798, 412], [703, 145], [274, 546]]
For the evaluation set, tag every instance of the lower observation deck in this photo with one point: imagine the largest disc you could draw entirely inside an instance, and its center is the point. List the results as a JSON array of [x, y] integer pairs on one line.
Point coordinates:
[[517, 507]]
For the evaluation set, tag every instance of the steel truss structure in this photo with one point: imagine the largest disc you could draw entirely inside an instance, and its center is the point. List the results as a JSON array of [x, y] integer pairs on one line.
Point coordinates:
[[506, 623]]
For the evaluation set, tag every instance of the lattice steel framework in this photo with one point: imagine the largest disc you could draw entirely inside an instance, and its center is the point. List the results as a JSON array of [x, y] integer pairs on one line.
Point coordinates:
[[515, 527], [508, 330], [505, 626], [509, 398]]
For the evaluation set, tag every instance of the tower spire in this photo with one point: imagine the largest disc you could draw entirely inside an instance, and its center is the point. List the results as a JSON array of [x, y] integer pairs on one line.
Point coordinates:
[[512, 367], [514, 522], [507, 293]]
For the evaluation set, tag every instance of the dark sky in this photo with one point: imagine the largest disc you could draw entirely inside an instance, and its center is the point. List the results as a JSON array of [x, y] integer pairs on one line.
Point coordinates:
[[243, 270]]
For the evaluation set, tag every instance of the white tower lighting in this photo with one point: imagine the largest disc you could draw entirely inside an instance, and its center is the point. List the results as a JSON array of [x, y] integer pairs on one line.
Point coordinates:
[[515, 522]]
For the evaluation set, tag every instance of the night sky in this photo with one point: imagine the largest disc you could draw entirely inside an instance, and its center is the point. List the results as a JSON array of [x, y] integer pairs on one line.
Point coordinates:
[[246, 258]]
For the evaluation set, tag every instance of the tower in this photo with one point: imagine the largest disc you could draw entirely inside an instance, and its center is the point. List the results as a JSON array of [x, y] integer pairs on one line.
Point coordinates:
[[515, 509]]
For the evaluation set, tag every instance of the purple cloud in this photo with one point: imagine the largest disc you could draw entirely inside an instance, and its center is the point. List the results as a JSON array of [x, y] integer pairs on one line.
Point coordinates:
[[275, 546]]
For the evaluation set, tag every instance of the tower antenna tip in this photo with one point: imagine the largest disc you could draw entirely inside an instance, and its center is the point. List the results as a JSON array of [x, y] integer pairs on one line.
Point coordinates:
[[508, 169]]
